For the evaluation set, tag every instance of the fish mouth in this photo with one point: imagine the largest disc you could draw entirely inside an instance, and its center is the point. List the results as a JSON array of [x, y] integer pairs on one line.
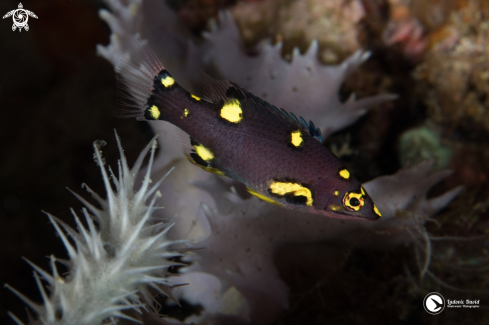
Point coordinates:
[[349, 216]]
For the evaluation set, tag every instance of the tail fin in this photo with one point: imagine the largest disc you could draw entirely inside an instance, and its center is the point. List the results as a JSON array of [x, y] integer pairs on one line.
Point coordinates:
[[136, 72]]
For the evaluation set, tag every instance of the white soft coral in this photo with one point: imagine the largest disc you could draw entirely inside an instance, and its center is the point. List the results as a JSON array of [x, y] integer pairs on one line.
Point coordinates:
[[303, 86], [112, 266]]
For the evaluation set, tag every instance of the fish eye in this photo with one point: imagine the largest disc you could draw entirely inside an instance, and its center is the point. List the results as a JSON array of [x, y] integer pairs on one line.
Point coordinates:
[[354, 202]]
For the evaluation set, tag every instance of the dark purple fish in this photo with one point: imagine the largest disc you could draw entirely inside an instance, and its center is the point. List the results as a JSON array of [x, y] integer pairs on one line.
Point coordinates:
[[280, 158]]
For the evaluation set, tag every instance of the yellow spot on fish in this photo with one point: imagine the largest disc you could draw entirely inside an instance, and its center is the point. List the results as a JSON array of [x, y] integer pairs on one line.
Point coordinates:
[[353, 201], [262, 197], [231, 111], [282, 188], [195, 97], [203, 152], [185, 113], [336, 193], [344, 173], [167, 81], [362, 189], [297, 140], [154, 111], [377, 212]]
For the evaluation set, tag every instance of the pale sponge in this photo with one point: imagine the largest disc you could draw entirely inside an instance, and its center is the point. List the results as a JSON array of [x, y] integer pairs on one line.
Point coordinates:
[[115, 259]]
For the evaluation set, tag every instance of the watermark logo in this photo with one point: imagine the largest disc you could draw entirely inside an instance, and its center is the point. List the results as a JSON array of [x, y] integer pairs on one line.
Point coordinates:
[[20, 17], [463, 303], [434, 303]]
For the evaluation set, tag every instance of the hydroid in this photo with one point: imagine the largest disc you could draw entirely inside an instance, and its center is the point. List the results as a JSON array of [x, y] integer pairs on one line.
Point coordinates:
[[117, 261]]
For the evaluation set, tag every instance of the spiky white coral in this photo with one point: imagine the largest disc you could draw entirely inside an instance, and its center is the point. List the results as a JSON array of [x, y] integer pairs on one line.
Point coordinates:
[[112, 266]]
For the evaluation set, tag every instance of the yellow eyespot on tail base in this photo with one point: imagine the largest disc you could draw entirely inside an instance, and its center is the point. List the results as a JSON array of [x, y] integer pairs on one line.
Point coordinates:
[[336, 193], [231, 111], [185, 113], [167, 81], [195, 97], [377, 212], [262, 197], [344, 173], [296, 138], [154, 111], [203, 152], [294, 189], [353, 201]]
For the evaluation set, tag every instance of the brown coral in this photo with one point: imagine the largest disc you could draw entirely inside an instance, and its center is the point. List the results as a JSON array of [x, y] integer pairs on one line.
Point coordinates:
[[332, 23], [455, 73]]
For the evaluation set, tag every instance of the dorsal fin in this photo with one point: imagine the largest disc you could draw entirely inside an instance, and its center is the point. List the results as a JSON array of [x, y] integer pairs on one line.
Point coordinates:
[[299, 122], [218, 91], [215, 90]]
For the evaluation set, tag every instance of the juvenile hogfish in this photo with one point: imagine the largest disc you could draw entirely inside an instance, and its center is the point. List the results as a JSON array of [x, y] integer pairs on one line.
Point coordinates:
[[280, 158]]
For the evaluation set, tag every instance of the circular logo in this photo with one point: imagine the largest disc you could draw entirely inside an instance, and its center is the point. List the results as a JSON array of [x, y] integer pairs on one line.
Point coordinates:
[[434, 303], [20, 17]]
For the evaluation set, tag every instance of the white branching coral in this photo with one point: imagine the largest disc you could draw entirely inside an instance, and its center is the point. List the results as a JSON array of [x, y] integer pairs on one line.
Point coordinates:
[[403, 195], [124, 22], [151, 20], [112, 267], [303, 86]]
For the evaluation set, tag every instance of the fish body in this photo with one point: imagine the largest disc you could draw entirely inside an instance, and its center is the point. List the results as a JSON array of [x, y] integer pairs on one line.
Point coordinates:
[[279, 157]]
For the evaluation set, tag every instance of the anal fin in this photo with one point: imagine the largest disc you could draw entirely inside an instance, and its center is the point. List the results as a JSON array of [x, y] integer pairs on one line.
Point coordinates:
[[262, 197]]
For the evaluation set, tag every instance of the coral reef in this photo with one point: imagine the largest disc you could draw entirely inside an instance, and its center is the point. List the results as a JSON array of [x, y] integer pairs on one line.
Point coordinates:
[[413, 23], [257, 263], [453, 75], [116, 263], [235, 276], [298, 23]]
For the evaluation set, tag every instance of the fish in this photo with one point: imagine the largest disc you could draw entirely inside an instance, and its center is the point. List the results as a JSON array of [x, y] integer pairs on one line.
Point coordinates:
[[230, 132]]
